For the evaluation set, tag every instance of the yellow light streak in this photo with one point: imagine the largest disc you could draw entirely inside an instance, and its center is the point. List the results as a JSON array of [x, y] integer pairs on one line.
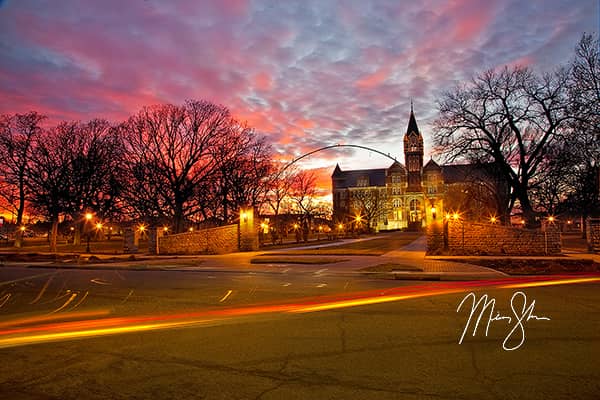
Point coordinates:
[[550, 283], [226, 296], [367, 301], [49, 337]]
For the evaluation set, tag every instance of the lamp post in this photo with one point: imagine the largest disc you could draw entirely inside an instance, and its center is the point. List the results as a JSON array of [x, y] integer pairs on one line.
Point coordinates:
[[88, 218]]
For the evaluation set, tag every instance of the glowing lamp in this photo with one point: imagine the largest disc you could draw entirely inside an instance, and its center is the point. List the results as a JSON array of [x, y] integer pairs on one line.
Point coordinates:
[[98, 225], [88, 216], [493, 220]]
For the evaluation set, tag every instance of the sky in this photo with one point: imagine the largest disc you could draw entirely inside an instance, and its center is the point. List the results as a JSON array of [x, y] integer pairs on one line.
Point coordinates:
[[306, 74]]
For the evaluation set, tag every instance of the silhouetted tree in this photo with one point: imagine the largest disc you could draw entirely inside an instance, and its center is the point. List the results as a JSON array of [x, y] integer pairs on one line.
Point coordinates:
[[509, 117], [50, 173], [18, 135], [96, 162], [241, 176], [303, 192], [171, 156], [582, 143]]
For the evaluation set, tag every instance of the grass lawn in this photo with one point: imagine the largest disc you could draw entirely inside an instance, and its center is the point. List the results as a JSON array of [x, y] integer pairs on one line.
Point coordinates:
[[516, 266], [35, 245]]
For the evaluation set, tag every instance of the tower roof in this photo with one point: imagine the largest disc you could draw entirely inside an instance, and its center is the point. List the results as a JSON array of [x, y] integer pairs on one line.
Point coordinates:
[[432, 166], [412, 123], [337, 171]]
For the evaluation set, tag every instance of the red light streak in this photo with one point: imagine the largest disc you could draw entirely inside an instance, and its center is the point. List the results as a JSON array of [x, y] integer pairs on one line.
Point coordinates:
[[24, 331]]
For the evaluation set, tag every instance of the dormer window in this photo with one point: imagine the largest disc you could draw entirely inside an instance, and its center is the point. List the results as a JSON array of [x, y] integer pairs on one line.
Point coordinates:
[[362, 181]]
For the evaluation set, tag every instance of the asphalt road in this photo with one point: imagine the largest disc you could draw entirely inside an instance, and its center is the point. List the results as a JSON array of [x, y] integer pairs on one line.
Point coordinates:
[[291, 335]]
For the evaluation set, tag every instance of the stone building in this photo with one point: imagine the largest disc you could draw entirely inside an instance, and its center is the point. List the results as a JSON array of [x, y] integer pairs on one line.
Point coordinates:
[[413, 195]]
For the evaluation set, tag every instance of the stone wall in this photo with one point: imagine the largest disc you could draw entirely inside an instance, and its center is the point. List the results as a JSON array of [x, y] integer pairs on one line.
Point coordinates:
[[593, 234], [219, 240], [467, 238]]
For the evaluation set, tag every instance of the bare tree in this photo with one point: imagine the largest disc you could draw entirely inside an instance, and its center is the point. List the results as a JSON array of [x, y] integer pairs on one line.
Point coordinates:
[[369, 203], [50, 173], [241, 178], [96, 160], [303, 192], [509, 117], [582, 143], [170, 149], [18, 135]]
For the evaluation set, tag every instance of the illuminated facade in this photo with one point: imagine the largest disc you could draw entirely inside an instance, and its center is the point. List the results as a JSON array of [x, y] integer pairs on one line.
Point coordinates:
[[409, 196]]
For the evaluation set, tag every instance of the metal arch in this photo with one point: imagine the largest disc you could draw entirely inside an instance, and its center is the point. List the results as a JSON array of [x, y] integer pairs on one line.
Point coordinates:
[[332, 147]]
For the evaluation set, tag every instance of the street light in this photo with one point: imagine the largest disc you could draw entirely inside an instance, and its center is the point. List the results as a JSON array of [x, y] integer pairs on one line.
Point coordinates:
[[88, 218]]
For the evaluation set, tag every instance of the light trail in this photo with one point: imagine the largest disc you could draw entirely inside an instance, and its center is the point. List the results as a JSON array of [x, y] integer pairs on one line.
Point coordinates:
[[226, 296], [25, 331]]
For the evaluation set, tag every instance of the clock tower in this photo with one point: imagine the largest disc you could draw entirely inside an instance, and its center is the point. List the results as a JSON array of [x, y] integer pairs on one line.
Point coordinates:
[[413, 154]]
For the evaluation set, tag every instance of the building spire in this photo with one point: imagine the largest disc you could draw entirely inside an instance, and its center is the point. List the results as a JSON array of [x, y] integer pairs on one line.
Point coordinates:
[[412, 122]]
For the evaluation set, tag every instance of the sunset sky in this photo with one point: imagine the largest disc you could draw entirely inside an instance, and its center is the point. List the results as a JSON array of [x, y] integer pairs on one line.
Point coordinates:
[[304, 73]]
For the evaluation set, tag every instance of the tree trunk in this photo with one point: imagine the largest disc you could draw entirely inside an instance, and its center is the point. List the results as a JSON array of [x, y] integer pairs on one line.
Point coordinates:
[[178, 218], [78, 233], [54, 234], [20, 211]]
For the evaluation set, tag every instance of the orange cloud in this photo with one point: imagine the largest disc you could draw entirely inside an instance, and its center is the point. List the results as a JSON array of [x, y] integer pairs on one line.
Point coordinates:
[[374, 79], [263, 82]]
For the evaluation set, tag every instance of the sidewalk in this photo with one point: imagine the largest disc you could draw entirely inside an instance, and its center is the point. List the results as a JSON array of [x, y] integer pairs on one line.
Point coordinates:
[[408, 262], [414, 255]]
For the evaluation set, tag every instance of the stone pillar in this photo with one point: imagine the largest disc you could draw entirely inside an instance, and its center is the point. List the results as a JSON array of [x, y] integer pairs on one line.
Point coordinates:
[[248, 233], [154, 235], [435, 237], [552, 238], [130, 240], [593, 234]]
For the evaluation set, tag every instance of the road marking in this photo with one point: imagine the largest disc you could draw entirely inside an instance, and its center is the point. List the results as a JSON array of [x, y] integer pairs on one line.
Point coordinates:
[[27, 278], [99, 281], [226, 296], [286, 284], [39, 296], [320, 272], [66, 303], [126, 297], [321, 285]]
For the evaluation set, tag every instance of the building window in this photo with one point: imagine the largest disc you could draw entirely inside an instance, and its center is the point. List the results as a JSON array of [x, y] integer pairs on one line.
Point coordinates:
[[362, 181], [397, 203], [415, 210]]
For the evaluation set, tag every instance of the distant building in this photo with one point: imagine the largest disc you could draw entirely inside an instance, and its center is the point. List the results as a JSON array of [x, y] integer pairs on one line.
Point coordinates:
[[411, 196]]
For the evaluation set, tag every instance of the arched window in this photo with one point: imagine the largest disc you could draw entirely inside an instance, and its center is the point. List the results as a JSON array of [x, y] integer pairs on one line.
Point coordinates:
[[415, 210]]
